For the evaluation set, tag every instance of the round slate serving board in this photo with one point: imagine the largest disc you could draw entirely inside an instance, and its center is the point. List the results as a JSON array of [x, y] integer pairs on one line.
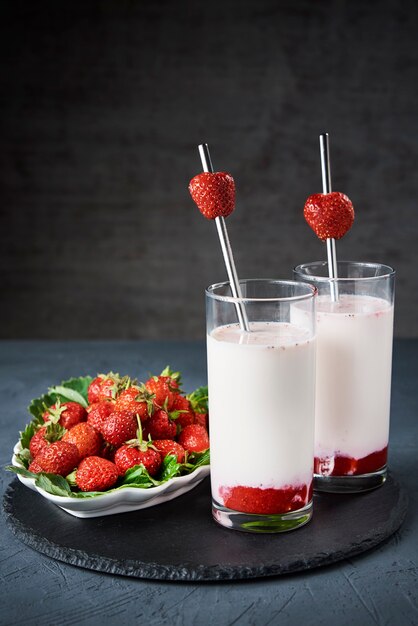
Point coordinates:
[[179, 541]]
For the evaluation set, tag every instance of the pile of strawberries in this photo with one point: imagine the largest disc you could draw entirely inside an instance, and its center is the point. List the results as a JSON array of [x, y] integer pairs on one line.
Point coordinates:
[[125, 424]]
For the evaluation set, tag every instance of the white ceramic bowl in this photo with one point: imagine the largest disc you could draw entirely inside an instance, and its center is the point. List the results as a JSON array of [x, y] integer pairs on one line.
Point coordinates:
[[121, 501]]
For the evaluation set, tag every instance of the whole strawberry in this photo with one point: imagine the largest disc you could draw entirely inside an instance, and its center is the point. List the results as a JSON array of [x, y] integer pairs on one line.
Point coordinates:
[[88, 441], [97, 413], [94, 390], [199, 403], [105, 387], [181, 411], [61, 457], [160, 426], [194, 438], [136, 399], [96, 474], [68, 414], [136, 452], [35, 468], [214, 194], [44, 437], [118, 427], [108, 389], [127, 456], [202, 419], [329, 215], [38, 442], [164, 388], [168, 446]]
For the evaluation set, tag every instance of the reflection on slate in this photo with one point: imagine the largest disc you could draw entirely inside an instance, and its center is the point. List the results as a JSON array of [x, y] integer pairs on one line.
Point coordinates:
[[342, 526]]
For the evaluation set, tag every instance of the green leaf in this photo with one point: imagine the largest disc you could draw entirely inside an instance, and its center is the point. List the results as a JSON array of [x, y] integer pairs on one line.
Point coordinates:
[[199, 400], [27, 434], [24, 457], [38, 407], [198, 459], [138, 476], [71, 395], [74, 387], [88, 494], [79, 384], [54, 432], [174, 415], [71, 478], [20, 470], [175, 376], [170, 468], [54, 484]]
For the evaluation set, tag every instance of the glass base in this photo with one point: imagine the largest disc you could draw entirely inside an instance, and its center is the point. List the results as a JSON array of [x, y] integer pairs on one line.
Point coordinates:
[[350, 484], [255, 523]]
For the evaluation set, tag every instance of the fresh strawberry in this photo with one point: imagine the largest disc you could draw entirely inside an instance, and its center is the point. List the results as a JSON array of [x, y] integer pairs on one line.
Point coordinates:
[[181, 411], [68, 414], [93, 391], [329, 215], [118, 427], [160, 426], [164, 388], [96, 474], [35, 467], [108, 389], [61, 457], [202, 419], [199, 403], [45, 436], [38, 442], [106, 386], [136, 399], [127, 456], [97, 413], [136, 452], [194, 438], [86, 438], [214, 194], [168, 446]]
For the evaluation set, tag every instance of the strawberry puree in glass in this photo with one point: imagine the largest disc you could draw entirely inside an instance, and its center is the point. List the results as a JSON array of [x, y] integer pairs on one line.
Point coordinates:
[[261, 390]]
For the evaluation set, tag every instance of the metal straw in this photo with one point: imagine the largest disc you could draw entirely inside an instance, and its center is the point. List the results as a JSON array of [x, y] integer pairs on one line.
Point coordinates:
[[326, 188], [226, 248]]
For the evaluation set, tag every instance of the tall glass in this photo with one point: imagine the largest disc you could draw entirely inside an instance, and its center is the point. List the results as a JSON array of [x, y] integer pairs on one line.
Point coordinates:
[[261, 404], [354, 362]]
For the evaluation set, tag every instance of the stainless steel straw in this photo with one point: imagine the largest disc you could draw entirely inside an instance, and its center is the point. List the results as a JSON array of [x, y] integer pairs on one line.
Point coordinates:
[[326, 188], [226, 248]]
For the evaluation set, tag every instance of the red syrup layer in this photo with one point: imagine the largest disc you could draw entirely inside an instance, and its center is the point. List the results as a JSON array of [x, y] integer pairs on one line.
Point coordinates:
[[266, 501], [348, 466]]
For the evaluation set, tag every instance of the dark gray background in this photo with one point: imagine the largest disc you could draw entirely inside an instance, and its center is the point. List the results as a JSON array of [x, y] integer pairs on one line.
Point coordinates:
[[102, 105]]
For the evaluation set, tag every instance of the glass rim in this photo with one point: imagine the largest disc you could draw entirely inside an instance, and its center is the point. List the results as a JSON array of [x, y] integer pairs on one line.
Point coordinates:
[[389, 271], [311, 291]]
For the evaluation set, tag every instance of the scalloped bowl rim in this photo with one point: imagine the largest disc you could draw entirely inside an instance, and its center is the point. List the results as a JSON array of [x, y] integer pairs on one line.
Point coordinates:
[[126, 499]]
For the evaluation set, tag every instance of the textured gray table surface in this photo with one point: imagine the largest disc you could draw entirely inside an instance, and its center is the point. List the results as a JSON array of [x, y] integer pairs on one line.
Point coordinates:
[[379, 587]]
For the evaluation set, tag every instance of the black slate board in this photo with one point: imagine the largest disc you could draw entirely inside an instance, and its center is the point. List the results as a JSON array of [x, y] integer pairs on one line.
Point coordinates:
[[179, 541]]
